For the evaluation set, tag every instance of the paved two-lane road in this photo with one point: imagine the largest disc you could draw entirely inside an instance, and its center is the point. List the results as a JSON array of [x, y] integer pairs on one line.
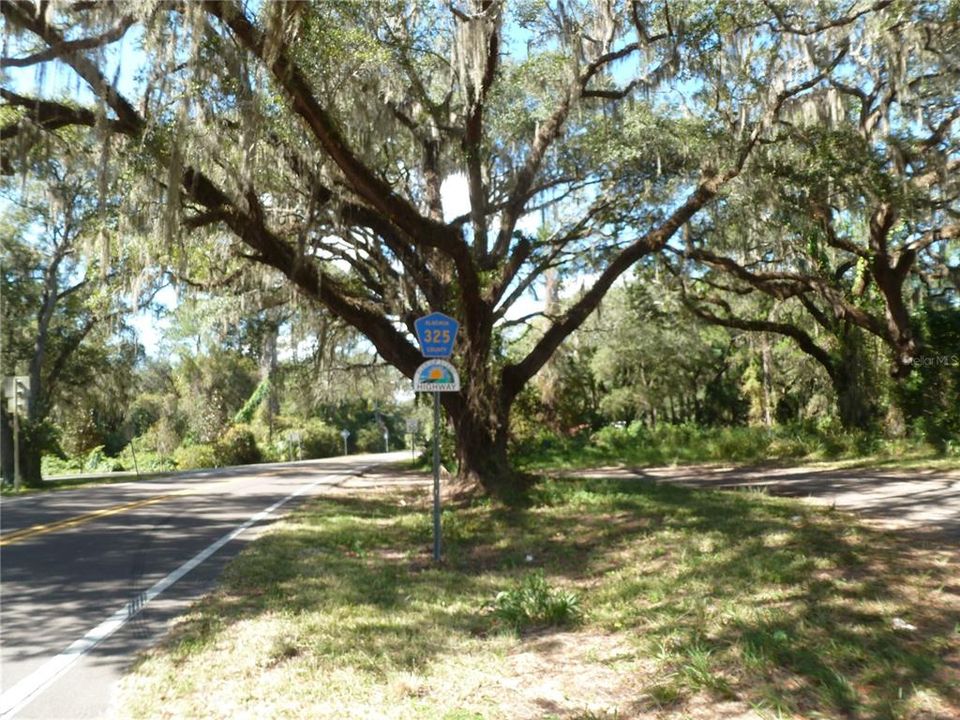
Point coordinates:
[[120, 561]]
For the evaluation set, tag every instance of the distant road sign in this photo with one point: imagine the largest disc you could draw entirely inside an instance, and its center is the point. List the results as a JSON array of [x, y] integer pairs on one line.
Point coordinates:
[[437, 333], [412, 426], [436, 376], [15, 383], [16, 389]]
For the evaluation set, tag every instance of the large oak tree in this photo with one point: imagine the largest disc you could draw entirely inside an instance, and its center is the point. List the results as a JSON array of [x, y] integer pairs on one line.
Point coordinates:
[[316, 138]]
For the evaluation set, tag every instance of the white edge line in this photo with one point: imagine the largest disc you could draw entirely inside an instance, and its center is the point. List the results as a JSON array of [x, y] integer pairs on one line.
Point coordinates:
[[17, 697]]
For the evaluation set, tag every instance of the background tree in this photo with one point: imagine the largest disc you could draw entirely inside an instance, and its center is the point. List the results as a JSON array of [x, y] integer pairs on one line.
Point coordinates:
[[62, 309], [655, 369], [842, 218]]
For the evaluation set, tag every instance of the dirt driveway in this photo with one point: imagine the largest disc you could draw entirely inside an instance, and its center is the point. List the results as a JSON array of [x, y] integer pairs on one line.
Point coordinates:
[[927, 502]]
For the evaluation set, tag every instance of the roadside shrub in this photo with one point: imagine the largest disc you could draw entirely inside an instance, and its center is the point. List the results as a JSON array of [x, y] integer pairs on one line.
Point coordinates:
[[739, 444], [55, 465], [613, 437], [787, 448], [97, 461], [163, 437], [195, 457], [238, 446], [928, 397], [636, 444], [370, 439], [149, 461], [317, 440], [545, 445], [533, 603]]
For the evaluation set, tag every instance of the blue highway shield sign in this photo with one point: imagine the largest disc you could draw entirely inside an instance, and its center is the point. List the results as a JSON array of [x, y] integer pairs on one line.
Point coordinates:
[[437, 333]]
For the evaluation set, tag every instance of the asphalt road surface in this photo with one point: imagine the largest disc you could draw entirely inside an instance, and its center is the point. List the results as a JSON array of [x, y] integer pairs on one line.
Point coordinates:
[[89, 577]]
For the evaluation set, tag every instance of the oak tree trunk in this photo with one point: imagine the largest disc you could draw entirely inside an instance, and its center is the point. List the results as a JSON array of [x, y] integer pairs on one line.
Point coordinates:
[[482, 452]]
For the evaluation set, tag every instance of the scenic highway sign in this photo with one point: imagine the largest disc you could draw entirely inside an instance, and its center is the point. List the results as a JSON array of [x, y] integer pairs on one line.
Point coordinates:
[[437, 333], [436, 376]]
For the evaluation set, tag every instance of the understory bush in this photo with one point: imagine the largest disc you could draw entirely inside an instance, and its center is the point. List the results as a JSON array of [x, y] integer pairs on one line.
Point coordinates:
[[929, 395], [663, 444], [318, 439], [195, 457], [238, 446], [370, 439], [56, 465], [298, 439], [97, 461]]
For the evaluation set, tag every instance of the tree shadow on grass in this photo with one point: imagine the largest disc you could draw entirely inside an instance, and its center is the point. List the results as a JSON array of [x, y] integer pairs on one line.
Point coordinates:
[[352, 573], [780, 603], [797, 607]]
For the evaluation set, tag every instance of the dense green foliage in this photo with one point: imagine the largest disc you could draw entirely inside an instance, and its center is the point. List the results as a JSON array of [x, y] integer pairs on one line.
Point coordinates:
[[931, 396]]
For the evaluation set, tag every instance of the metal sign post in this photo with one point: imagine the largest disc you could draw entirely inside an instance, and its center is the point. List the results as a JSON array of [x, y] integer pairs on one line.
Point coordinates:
[[17, 480], [437, 333], [436, 476], [435, 377], [412, 426], [345, 434], [14, 388]]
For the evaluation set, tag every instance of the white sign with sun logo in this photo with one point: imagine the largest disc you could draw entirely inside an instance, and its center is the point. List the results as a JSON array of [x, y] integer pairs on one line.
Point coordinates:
[[436, 376]]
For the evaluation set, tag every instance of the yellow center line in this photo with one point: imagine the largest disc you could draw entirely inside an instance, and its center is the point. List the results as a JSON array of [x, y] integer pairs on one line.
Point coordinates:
[[26, 533]]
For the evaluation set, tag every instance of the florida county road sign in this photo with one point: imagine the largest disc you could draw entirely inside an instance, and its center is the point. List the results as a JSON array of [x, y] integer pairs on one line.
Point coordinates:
[[436, 376], [437, 333]]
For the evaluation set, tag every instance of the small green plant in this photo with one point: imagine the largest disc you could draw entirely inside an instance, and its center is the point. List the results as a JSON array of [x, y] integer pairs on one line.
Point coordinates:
[[697, 670], [533, 603]]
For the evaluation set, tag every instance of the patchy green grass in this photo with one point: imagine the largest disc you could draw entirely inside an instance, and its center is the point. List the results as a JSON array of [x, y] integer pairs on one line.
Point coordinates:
[[690, 604]]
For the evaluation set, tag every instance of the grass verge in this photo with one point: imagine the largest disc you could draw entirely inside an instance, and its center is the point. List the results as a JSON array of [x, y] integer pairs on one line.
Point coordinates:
[[689, 604], [73, 483]]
